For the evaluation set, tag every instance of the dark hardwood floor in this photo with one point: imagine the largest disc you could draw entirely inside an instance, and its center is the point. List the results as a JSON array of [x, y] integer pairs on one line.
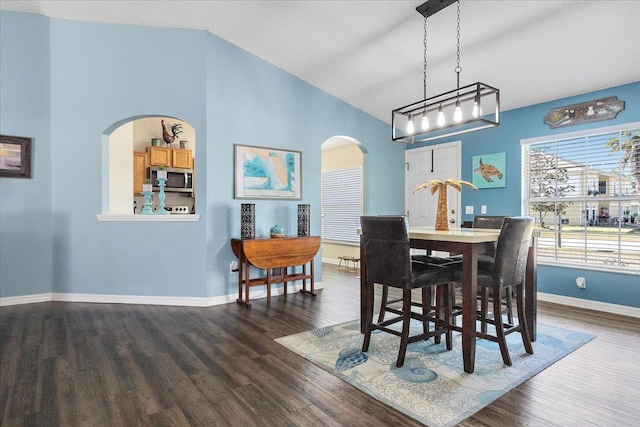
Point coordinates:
[[76, 364]]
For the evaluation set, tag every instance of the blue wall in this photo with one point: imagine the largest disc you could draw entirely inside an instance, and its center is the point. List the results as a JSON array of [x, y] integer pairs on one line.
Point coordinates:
[[65, 84], [87, 77], [26, 232], [524, 123]]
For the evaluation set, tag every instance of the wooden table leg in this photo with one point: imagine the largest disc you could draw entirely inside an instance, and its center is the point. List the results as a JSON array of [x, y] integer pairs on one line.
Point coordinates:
[[284, 271], [268, 286], [469, 306], [312, 289], [531, 289], [243, 263]]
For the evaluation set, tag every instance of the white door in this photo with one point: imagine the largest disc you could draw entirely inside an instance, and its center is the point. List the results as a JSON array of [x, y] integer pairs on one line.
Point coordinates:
[[439, 162]]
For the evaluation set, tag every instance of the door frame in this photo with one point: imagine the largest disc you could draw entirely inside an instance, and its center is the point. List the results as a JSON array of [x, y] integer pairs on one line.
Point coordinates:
[[457, 144]]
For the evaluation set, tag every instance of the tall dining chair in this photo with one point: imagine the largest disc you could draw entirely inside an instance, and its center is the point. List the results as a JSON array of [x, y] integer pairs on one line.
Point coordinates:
[[387, 259], [486, 294], [505, 273]]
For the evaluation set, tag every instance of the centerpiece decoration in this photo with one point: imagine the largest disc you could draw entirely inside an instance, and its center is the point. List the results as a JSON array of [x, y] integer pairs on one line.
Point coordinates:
[[277, 231], [440, 187]]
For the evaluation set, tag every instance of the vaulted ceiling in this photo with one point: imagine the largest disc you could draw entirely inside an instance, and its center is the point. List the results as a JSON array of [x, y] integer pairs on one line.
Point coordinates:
[[370, 53]]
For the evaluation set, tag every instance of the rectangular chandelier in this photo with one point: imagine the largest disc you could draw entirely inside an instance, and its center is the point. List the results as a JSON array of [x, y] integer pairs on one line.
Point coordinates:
[[465, 109]]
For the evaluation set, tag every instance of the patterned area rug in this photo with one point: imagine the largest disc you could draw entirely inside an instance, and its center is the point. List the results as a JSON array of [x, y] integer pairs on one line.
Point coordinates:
[[432, 386]]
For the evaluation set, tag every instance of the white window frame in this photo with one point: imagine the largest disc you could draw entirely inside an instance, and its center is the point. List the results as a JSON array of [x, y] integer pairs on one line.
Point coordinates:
[[549, 251], [341, 205]]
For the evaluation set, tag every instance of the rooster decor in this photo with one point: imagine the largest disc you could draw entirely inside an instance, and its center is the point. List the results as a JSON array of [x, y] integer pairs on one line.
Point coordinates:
[[175, 130], [442, 222]]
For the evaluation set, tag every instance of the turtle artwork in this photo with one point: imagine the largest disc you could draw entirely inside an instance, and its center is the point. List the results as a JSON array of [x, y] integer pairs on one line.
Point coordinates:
[[487, 171]]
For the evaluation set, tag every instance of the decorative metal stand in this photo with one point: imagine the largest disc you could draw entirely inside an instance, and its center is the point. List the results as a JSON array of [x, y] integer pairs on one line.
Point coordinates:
[[161, 210], [247, 220], [303, 220], [146, 209]]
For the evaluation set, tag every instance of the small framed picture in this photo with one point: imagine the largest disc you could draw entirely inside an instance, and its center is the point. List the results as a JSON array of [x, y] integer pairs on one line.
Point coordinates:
[[490, 170], [15, 157]]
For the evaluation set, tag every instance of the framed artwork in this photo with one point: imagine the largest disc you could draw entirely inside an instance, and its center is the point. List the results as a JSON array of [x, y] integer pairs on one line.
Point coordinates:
[[267, 173], [15, 156], [489, 170]]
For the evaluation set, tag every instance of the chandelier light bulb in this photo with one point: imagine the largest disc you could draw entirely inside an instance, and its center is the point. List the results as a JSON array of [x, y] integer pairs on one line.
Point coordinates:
[[457, 113], [441, 121], [425, 121], [410, 127], [477, 109]]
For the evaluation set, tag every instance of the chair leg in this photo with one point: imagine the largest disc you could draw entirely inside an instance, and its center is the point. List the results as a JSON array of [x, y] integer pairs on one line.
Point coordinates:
[[522, 320], [509, 303], [448, 307], [502, 340], [383, 303], [426, 307], [435, 304], [484, 310], [367, 326], [406, 320]]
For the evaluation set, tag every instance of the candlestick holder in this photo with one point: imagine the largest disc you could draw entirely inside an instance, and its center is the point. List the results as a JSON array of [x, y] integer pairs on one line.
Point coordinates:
[[146, 209], [161, 196]]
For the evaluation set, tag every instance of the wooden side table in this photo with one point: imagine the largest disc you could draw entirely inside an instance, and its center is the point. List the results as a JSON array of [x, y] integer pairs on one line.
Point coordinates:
[[276, 256]]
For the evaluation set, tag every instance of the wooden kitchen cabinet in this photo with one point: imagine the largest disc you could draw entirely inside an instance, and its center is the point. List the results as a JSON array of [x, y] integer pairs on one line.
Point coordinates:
[[139, 171], [181, 158], [159, 156], [170, 157]]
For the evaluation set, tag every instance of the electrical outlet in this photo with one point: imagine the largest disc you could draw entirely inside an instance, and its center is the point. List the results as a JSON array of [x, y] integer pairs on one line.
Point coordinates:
[[468, 210], [233, 267], [483, 209], [581, 282]]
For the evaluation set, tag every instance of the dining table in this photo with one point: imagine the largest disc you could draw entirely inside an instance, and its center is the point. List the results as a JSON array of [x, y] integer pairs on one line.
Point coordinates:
[[468, 242]]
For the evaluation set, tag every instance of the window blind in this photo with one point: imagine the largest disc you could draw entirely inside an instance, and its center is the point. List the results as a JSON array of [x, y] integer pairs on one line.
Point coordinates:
[[341, 205], [584, 191]]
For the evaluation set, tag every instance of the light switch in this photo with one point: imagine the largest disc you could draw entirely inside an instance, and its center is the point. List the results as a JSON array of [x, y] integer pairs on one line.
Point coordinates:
[[483, 209], [468, 210]]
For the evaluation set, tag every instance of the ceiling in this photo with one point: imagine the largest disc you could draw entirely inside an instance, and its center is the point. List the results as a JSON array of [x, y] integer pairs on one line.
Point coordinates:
[[370, 53]]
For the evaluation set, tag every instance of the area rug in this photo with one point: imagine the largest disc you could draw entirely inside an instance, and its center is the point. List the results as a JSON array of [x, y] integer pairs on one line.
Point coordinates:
[[432, 386]]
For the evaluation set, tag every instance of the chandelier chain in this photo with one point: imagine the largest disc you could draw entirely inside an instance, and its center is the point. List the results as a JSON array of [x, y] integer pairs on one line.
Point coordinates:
[[424, 70], [458, 68]]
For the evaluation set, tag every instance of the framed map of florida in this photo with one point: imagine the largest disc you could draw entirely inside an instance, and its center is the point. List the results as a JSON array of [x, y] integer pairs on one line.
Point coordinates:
[[267, 173]]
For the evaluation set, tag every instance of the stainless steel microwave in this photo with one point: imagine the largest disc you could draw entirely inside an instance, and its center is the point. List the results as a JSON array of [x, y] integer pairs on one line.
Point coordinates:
[[178, 180]]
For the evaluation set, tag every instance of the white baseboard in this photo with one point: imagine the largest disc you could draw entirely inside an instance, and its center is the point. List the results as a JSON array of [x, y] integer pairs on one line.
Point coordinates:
[[590, 305], [146, 300], [258, 294], [26, 299]]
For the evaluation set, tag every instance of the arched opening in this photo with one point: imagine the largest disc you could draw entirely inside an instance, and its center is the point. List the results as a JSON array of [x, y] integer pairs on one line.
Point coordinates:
[[134, 149], [342, 167]]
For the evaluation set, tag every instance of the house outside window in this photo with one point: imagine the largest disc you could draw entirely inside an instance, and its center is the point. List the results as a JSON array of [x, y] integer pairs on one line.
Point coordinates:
[[584, 190]]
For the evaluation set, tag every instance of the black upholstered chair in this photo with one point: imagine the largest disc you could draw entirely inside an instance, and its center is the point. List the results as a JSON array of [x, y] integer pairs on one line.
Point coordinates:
[[505, 274], [387, 259], [486, 294]]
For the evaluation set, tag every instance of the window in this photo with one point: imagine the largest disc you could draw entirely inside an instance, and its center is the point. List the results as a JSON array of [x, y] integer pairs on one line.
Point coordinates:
[[584, 190], [341, 205]]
